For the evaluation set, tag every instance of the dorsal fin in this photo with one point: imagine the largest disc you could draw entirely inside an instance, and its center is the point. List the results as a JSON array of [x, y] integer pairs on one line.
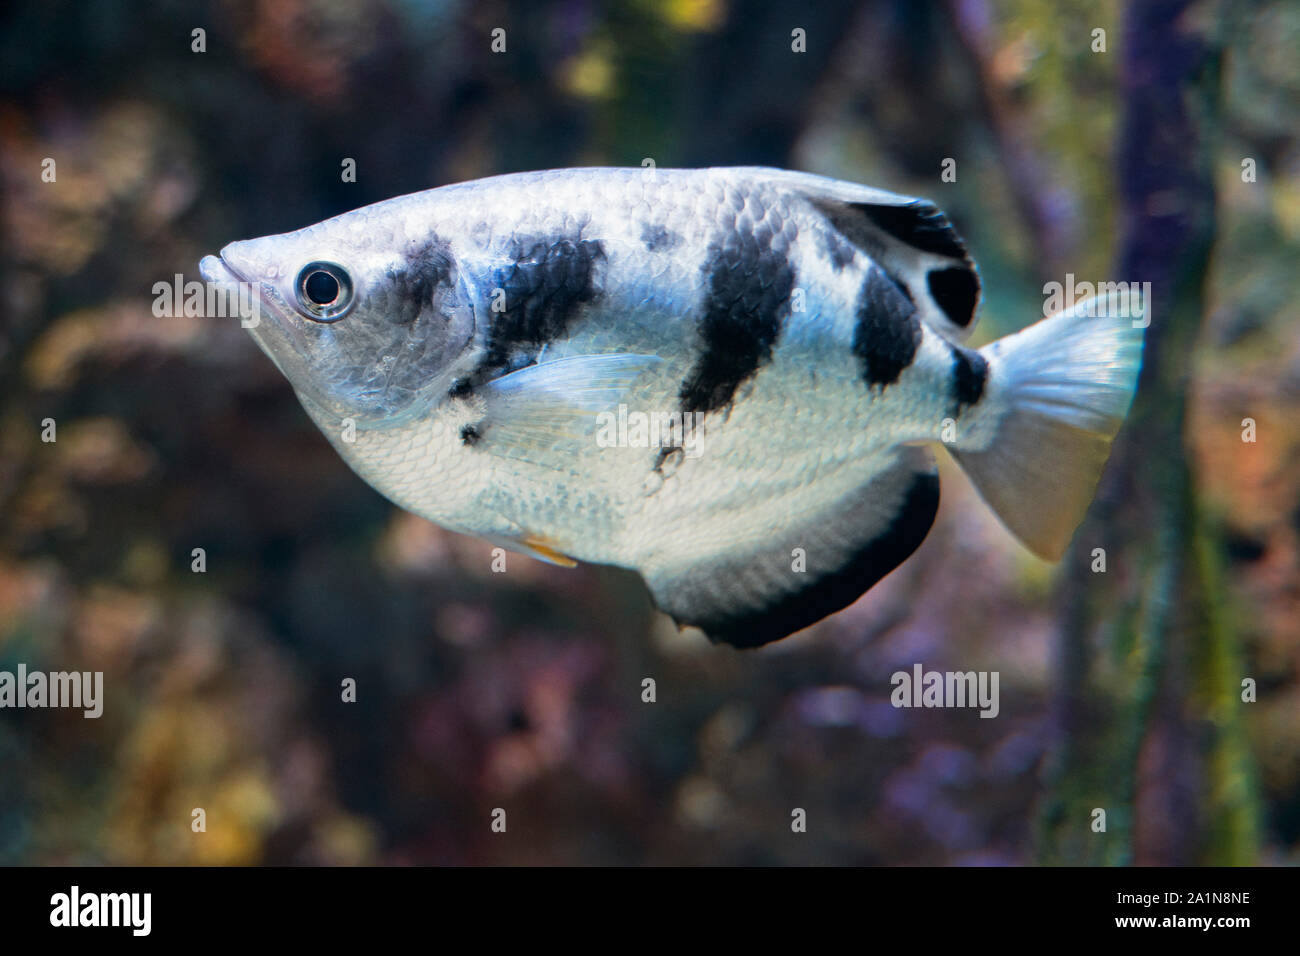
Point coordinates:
[[910, 238], [919, 248], [918, 224]]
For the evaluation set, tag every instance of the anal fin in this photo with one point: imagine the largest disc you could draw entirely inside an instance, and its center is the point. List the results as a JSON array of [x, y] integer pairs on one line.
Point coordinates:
[[806, 567]]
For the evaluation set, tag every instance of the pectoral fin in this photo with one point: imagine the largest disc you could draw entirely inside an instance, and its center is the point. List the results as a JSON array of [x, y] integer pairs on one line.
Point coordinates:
[[553, 407]]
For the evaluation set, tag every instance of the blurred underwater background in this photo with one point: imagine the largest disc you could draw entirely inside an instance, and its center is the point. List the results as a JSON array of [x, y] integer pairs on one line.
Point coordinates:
[[1165, 149]]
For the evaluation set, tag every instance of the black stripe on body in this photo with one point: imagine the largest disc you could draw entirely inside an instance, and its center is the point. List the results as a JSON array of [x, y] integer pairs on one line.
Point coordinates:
[[838, 589], [749, 282], [957, 291], [887, 332], [411, 286], [657, 238], [836, 248], [970, 372], [545, 285]]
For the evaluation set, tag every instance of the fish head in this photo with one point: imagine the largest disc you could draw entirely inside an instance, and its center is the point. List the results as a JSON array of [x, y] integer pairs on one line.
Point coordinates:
[[365, 314]]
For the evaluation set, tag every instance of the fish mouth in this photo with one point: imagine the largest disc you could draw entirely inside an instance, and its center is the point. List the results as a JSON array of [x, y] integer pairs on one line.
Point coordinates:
[[217, 270], [221, 272], [265, 300]]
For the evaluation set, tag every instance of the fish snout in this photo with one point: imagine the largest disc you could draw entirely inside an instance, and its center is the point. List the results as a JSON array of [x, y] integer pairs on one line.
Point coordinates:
[[236, 295], [214, 269]]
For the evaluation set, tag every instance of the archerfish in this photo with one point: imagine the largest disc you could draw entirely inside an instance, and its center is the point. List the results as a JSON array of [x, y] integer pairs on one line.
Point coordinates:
[[726, 379]]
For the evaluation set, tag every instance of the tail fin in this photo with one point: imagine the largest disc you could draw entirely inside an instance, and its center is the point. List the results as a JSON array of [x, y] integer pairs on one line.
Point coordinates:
[[1066, 383]]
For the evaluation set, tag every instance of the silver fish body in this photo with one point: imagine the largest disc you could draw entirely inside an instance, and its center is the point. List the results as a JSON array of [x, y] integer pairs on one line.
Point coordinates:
[[796, 340]]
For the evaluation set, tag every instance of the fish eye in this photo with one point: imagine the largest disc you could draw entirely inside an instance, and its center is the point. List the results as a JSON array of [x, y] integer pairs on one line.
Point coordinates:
[[324, 291]]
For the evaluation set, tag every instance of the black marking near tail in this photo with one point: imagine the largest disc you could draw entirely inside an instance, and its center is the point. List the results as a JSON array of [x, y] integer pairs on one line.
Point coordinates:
[[887, 333], [970, 372], [957, 290], [750, 279], [838, 589], [411, 285], [544, 287], [919, 224], [657, 238]]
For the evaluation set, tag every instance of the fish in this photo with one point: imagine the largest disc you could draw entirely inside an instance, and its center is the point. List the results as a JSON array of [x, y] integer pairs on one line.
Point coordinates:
[[731, 380]]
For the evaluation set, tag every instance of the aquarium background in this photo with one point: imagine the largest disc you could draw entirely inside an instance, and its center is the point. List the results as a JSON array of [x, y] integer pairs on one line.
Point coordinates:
[[1171, 153]]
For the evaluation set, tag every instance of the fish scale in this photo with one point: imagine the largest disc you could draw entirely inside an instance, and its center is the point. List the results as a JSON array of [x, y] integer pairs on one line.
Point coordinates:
[[807, 330]]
